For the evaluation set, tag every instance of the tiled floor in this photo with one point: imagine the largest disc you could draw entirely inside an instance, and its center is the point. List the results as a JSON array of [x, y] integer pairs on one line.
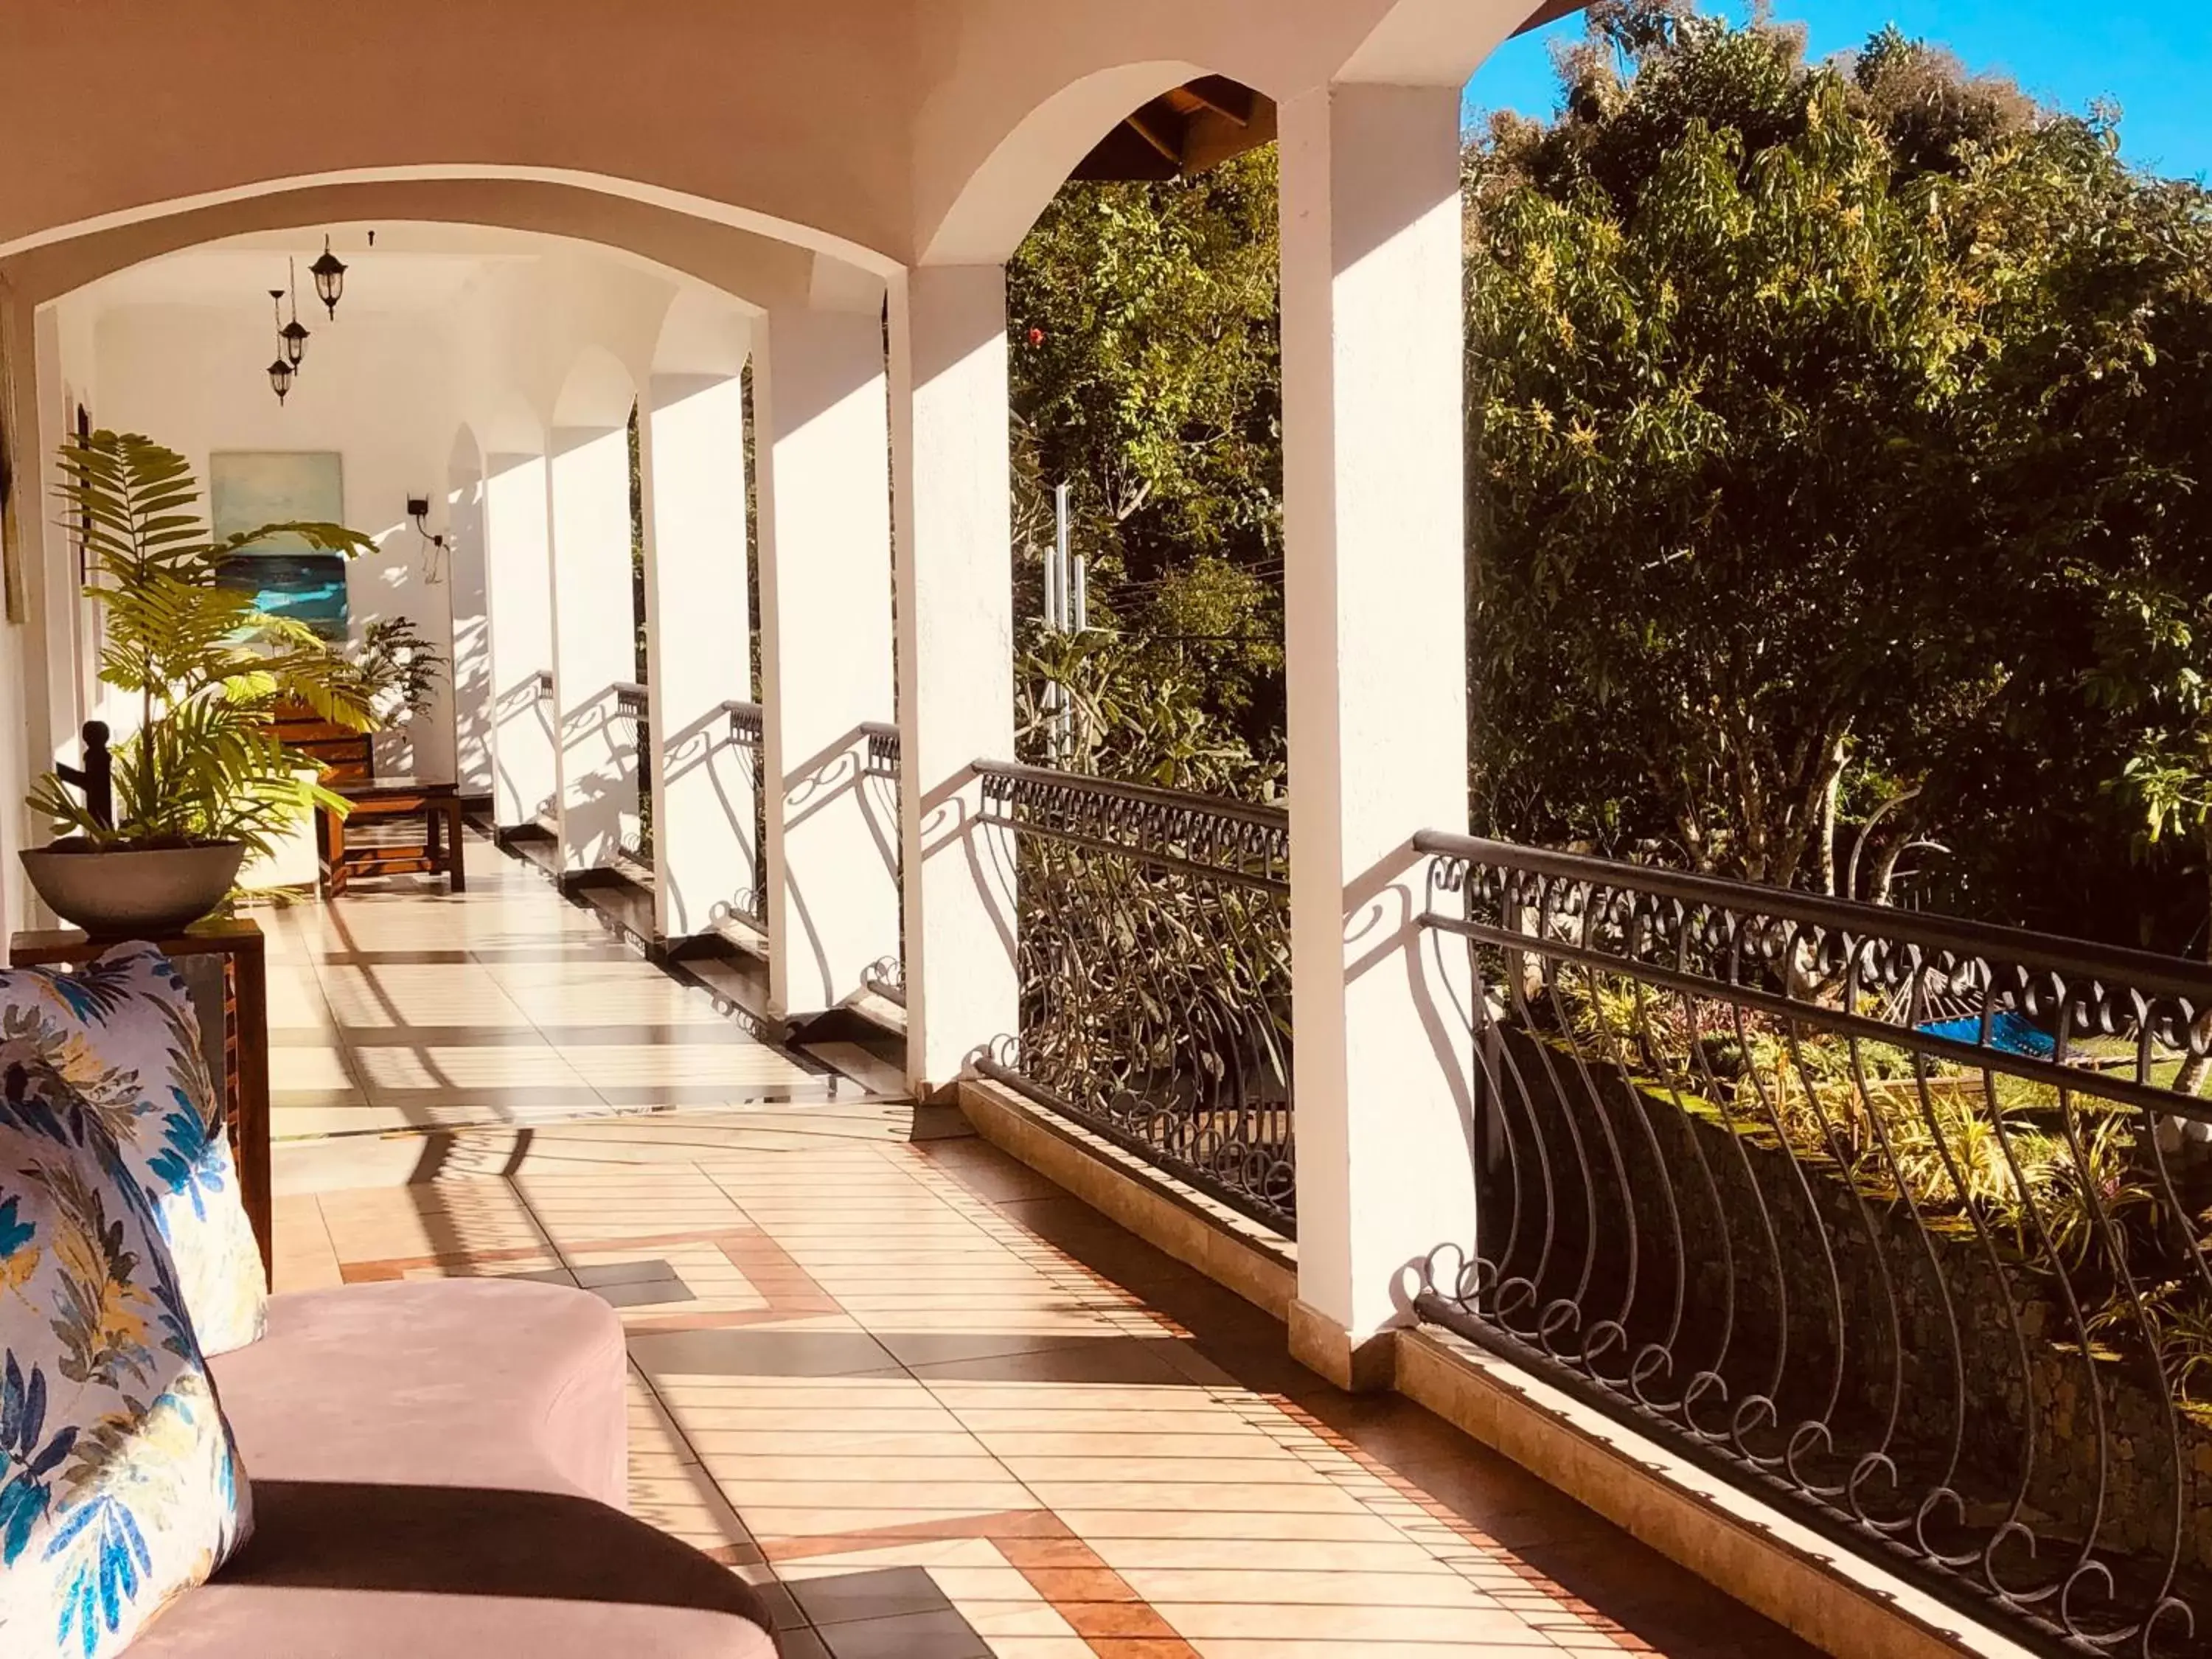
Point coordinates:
[[936, 1407], [409, 1007]]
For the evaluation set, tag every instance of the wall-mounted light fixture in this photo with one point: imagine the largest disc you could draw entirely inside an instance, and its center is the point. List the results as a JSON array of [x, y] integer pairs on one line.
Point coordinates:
[[433, 549]]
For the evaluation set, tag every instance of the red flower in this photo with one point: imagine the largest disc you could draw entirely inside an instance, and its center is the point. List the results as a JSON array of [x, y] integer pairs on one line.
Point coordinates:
[[1036, 337]]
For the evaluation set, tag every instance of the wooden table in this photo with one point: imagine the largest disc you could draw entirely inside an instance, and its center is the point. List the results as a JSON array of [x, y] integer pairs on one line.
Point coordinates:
[[439, 806], [235, 951]]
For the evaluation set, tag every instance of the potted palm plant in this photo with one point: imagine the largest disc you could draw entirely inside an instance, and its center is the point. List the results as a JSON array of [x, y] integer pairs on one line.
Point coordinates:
[[150, 838]]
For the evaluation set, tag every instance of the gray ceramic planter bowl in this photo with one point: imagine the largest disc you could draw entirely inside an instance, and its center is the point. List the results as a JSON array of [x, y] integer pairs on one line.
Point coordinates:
[[133, 893]]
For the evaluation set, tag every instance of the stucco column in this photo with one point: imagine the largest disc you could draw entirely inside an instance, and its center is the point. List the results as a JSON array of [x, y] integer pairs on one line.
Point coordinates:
[[594, 643], [1376, 636], [698, 618], [519, 602], [470, 667], [951, 460], [833, 834]]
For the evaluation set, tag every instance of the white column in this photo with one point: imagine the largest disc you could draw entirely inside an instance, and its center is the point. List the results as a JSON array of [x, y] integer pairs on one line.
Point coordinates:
[[471, 665], [1376, 638], [833, 834], [594, 643], [519, 592], [951, 459], [698, 616]]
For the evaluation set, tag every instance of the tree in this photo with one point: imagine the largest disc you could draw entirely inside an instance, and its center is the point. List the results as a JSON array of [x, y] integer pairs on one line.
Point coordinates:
[[1143, 328], [1835, 439], [1708, 351]]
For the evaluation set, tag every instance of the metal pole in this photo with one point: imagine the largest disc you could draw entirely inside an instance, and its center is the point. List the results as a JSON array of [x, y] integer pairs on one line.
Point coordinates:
[[1082, 593], [1061, 516], [1058, 621]]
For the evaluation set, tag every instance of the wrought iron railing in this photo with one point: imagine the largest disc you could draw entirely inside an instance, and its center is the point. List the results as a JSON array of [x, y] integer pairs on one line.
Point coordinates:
[[883, 749], [886, 976], [1898, 1220], [633, 724], [1155, 964], [749, 731]]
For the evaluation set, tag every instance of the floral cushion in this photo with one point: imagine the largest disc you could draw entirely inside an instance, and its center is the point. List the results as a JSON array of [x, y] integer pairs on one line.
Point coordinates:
[[119, 1484], [122, 1033]]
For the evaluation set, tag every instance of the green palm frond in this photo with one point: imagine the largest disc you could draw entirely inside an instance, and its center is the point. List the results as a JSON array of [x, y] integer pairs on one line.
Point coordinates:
[[209, 668]]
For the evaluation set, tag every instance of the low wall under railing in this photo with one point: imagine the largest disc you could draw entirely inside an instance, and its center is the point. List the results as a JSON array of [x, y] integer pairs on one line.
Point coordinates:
[[1901, 1222]]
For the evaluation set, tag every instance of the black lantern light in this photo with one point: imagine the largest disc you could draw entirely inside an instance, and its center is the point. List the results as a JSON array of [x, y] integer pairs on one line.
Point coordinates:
[[294, 334], [280, 378], [329, 273]]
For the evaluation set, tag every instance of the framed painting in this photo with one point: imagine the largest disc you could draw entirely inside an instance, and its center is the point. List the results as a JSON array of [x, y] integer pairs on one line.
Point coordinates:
[[249, 488]]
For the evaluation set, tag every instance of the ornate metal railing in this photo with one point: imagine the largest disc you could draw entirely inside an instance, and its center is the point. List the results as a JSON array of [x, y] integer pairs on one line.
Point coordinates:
[[1900, 1221], [886, 976], [746, 724], [749, 731], [883, 749], [1154, 949], [634, 726]]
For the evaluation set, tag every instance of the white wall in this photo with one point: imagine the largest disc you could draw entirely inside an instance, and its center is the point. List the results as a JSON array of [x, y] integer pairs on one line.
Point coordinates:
[[377, 391]]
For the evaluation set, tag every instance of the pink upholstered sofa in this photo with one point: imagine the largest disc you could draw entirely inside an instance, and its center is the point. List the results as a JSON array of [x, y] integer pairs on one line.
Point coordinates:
[[438, 1468]]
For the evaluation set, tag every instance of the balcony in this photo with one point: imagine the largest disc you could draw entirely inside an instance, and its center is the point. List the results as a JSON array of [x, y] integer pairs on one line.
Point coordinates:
[[934, 1400], [1054, 1214]]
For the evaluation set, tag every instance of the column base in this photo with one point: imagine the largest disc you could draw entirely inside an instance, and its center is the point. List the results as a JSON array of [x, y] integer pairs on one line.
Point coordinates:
[[1326, 1348]]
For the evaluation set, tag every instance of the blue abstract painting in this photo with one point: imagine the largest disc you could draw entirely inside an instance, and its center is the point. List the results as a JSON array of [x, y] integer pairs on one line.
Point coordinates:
[[247, 488]]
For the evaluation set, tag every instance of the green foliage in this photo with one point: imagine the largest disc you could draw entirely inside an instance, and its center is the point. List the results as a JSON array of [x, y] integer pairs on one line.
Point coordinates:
[[208, 668], [1837, 433], [1145, 349], [398, 669]]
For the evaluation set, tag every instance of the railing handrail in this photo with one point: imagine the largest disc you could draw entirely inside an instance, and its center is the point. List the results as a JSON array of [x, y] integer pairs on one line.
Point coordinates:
[[2017, 947], [1145, 794], [748, 721]]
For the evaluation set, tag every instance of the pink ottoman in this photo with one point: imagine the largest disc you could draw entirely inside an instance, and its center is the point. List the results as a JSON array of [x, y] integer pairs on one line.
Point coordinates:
[[438, 1468]]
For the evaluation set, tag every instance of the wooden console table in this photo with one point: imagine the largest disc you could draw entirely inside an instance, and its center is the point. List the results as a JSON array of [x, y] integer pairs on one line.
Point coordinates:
[[226, 967]]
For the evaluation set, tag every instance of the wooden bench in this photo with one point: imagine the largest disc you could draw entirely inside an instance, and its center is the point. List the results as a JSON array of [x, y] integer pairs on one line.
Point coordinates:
[[348, 760]]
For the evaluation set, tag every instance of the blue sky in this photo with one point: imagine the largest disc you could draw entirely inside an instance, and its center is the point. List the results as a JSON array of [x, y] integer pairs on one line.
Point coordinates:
[[2153, 57]]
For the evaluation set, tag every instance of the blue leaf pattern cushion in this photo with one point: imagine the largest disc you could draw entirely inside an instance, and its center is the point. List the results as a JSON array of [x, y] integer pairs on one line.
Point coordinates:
[[120, 1483], [122, 1035]]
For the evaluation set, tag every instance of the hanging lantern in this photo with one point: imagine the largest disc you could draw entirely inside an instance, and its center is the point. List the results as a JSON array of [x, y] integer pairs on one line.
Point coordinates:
[[292, 334], [280, 378], [328, 273]]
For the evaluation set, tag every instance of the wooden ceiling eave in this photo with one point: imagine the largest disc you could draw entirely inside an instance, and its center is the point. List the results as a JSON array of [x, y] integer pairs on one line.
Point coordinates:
[[1186, 129], [1205, 122]]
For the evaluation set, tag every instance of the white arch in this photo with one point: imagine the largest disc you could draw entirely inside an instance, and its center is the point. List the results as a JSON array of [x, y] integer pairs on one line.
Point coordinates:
[[755, 269], [1002, 198], [672, 201], [598, 392], [1440, 43], [704, 333]]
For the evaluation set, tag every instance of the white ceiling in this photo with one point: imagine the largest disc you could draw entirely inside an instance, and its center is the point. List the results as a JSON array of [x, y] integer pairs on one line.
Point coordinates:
[[412, 269]]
